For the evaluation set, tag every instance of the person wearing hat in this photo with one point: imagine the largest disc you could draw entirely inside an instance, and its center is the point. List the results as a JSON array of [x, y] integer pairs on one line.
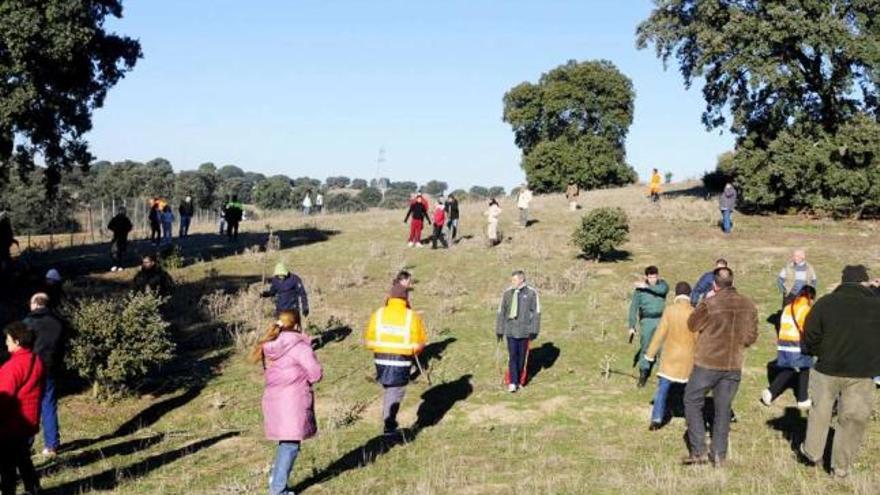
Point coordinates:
[[288, 290], [518, 319], [396, 335], [678, 344], [121, 226], [841, 332], [186, 211]]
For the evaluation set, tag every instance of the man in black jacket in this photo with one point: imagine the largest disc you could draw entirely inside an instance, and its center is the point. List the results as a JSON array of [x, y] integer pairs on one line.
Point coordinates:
[[120, 225], [49, 346], [186, 211], [452, 216], [842, 332], [418, 210], [153, 278]]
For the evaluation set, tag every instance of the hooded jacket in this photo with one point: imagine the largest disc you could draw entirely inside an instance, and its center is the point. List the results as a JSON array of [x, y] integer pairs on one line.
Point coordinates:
[[289, 293], [288, 402], [120, 225], [843, 332], [726, 325]]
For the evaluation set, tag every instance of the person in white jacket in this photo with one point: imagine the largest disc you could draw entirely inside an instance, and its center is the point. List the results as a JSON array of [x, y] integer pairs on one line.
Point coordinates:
[[307, 203], [522, 202], [492, 214]]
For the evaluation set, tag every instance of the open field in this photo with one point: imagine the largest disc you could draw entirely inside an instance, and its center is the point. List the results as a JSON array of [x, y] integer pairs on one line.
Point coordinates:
[[198, 427]]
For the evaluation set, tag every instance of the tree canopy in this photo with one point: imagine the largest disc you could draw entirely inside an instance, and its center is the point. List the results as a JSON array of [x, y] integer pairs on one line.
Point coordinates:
[[57, 63], [573, 104]]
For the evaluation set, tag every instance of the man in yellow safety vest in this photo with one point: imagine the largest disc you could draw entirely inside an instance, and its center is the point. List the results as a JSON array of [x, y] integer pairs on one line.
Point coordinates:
[[396, 335]]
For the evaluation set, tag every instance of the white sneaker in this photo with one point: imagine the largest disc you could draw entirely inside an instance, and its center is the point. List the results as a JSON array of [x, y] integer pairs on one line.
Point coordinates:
[[805, 405], [766, 397], [419, 244], [113, 269], [409, 244], [511, 388]]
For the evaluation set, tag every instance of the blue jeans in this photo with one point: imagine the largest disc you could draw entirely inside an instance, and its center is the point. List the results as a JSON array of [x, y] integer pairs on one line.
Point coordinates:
[[660, 397], [166, 231], [285, 456], [726, 221], [516, 348], [49, 413], [184, 226]]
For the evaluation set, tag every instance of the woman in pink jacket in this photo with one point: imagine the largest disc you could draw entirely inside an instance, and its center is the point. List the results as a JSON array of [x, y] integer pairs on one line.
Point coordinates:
[[288, 403]]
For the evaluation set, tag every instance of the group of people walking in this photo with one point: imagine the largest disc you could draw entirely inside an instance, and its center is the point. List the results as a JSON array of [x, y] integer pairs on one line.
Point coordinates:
[[444, 215], [312, 207], [827, 350]]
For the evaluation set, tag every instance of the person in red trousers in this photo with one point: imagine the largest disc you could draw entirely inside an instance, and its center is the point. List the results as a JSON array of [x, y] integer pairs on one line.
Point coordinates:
[[418, 210]]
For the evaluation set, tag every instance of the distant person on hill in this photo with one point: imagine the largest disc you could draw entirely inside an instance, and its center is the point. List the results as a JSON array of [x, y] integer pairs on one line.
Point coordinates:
[[289, 292], [519, 320], [155, 218], [7, 239], [21, 379], [50, 347], [186, 211], [654, 186], [795, 275], [842, 334], [645, 311], [167, 224], [790, 361], [725, 325], [307, 203], [291, 368], [418, 211], [396, 335], [727, 203], [121, 226], [572, 191], [523, 199], [703, 287], [319, 203], [222, 219], [452, 216], [492, 213], [53, 287], [152, 277], [678, 344], [234, 212], [439, 222]]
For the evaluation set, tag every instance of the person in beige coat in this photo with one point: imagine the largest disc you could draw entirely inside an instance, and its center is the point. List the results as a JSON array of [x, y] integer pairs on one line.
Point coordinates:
[[678, 344], [571, 194], [492, 214]]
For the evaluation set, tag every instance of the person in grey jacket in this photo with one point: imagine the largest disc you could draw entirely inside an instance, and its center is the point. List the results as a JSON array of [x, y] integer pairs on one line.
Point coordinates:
[[519, 319], [726, 203]]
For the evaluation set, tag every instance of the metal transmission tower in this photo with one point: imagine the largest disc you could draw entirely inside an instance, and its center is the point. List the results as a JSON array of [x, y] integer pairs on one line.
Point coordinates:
[[381, 184]]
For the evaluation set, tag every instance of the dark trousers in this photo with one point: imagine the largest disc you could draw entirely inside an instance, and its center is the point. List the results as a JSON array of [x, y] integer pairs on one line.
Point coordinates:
[[232, 230], [723, 385], [784, 376], [438, 236], [155, 232], [516, 348], [118, 249], [15, 459], [184, 226]]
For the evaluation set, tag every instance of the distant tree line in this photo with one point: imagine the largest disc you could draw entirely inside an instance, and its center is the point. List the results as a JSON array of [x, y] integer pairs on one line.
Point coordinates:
[[130, 183]]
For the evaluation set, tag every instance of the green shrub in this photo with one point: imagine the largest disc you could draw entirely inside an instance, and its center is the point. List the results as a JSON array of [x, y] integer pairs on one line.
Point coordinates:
[[118, 341], [370, 196], [601, 231], [395, 198], [344, 203], [171, 258]]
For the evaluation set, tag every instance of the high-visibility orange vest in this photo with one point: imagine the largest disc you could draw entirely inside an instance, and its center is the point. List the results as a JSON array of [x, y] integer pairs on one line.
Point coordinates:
[[791, 323], [395, 329]]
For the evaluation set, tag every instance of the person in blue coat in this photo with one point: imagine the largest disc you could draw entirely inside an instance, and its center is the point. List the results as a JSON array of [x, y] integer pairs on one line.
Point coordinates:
[[288, 290]]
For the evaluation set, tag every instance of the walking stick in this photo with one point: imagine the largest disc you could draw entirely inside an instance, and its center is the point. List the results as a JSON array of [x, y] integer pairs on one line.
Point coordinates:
[[522, 376], [421, 370]]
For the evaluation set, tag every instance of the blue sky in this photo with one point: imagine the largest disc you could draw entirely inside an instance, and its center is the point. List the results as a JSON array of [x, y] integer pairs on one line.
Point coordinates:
[[317, 87]]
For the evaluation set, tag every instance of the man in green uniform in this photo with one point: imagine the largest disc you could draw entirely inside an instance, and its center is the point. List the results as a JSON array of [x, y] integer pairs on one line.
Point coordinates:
[[649, 299]]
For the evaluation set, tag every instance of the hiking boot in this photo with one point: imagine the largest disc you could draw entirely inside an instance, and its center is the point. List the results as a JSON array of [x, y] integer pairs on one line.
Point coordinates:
[[511, 388], [655, 425], [643, 378], [805, 405], [766, 397], [695, 460]]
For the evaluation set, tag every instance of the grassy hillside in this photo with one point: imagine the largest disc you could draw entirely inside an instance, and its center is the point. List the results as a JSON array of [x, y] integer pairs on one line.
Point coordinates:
[[575, 429]]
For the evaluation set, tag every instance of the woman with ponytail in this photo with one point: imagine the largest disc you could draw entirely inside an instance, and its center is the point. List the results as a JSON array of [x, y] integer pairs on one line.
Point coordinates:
[[291, 368]]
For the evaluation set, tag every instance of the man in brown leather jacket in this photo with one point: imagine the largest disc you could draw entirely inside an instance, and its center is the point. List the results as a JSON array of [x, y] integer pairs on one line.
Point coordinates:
[[726, 324]]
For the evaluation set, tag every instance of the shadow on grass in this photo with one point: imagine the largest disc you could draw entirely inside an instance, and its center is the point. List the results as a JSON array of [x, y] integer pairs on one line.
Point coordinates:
[[335, 334], [111, 478], [85, 458], [198, 374], [541, 358], [615, 256], [437, 401], [433, 352]]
